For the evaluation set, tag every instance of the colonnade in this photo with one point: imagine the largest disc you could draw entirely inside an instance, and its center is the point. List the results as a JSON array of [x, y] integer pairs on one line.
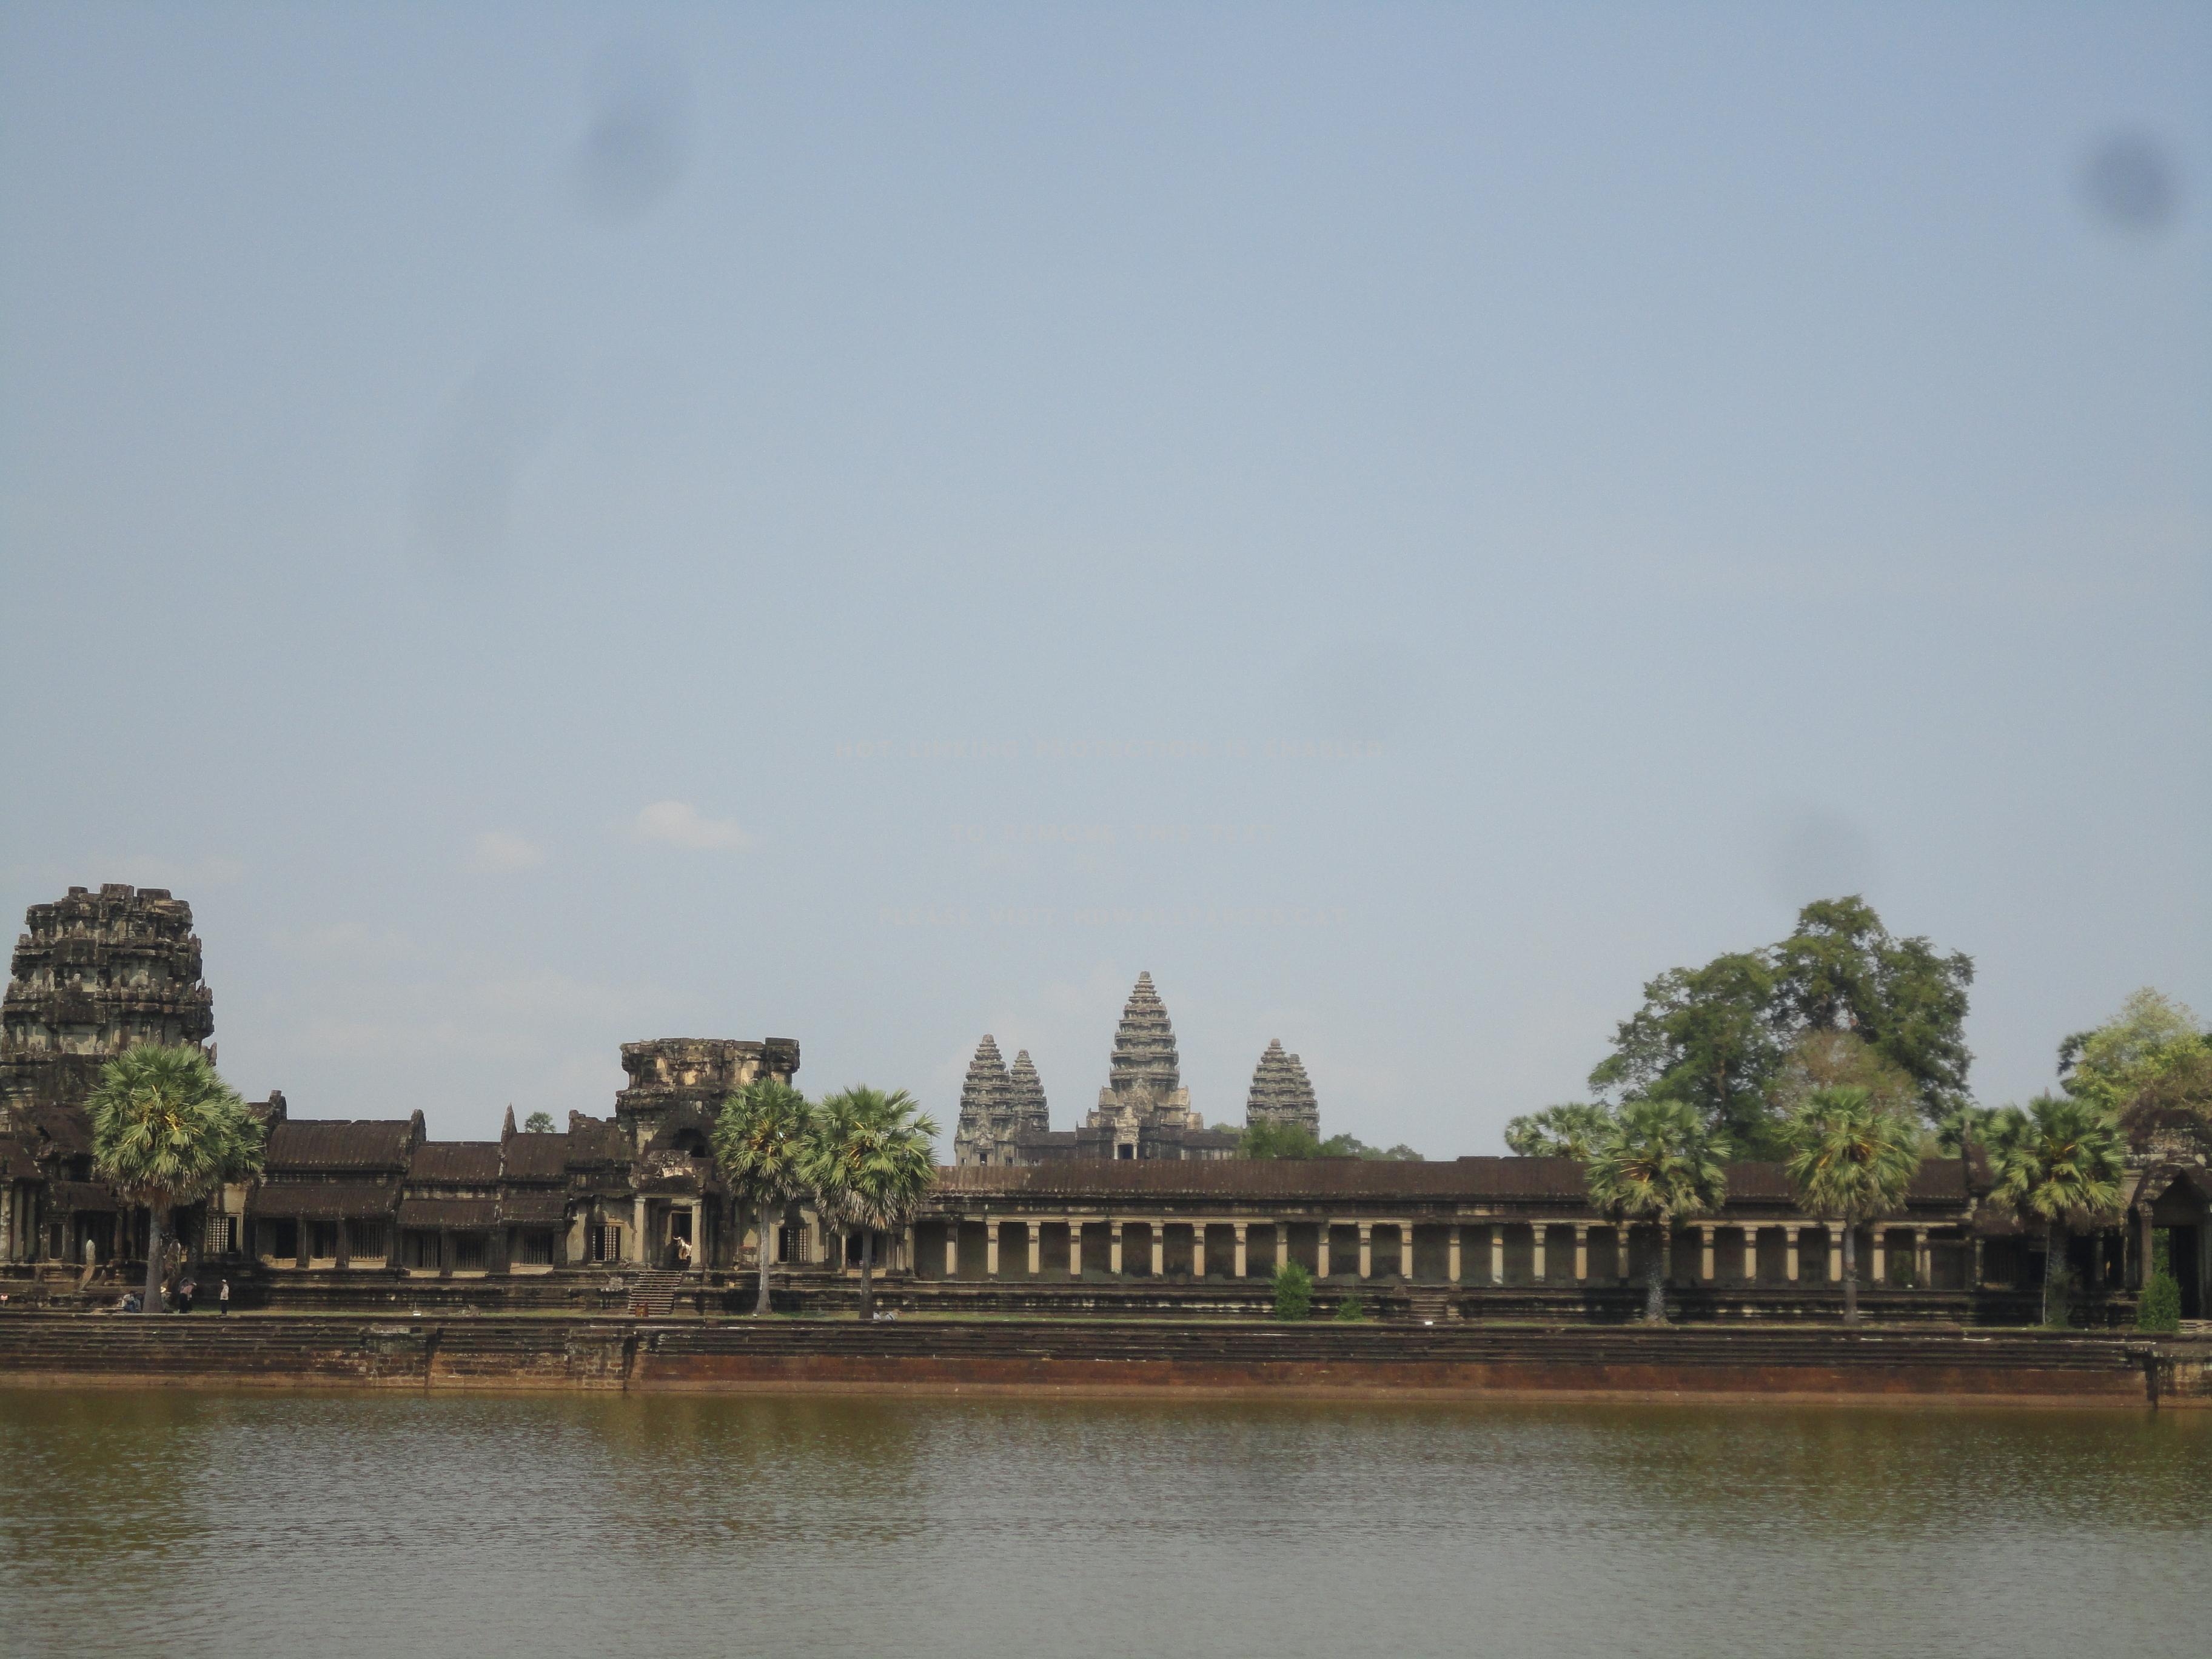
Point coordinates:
[[1473, 1253]]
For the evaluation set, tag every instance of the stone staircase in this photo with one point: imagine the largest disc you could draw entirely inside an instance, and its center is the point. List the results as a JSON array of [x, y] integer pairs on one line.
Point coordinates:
[[654, 1290]]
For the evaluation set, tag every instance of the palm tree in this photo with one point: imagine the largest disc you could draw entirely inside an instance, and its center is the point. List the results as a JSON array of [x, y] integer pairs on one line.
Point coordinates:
[[760, 1140], [167, 1130], [871, 1160], [2058, 1158], [1849, 1158], [1658, 1161]]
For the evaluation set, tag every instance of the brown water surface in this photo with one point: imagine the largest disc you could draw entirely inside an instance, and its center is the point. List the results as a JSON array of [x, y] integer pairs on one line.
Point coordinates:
[[195, 1522]]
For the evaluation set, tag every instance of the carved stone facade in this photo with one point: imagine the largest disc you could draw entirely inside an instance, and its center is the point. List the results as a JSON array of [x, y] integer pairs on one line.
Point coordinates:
[[983, 1105], [1281, 1093], [96, 973]]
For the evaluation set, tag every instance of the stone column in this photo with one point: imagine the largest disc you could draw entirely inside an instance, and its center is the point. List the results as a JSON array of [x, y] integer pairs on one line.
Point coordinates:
[[1923, 1260], [1074, 1248], [1705, 1253], [910, 1257], [1582, 1254], [1620, 1251], [2146, 1246], [1321, 1255], [1451, 1255], [1243, 1260], [1366, 1250], [344, 1253], [1159, 1247], [1114, 1247], [1974, 1267], [1750, 1253], [1790, 1253], [1036, 1249], [1878, 1238], [991, 1247], [637, 1232], [953, 1247], [1496, 1230], [1539, 1267]]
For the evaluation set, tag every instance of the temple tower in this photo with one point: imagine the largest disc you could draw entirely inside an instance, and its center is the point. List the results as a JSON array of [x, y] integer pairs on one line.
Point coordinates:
[[1144, 1093], [985, 1101], [1281, 1093], [677, 1085], [96, 973], [1025, 1109]]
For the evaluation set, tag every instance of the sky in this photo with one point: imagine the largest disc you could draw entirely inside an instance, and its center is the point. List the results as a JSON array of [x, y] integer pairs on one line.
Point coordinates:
[[552, 527]]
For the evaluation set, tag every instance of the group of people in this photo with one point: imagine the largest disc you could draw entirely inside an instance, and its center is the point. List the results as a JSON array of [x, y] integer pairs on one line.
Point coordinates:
[[176, 1298]]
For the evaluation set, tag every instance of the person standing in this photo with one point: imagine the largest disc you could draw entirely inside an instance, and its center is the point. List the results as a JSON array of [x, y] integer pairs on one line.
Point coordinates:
[[223, 1298]]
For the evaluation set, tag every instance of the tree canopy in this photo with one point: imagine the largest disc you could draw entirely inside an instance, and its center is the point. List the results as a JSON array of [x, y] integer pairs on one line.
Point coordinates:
[[1571, 1129], [1729, 1039], [760, 1142], [2150, 1066], [167, 1130], [1659, 1161], [1850, 1156], [1266, 1140]]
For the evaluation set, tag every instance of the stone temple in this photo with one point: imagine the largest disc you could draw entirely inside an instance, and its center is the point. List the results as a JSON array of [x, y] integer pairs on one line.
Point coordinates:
[[1144, 1112], [1281, 1093]]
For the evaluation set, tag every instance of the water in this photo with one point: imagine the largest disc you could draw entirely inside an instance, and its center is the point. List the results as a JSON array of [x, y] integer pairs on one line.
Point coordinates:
[[187, 1523]]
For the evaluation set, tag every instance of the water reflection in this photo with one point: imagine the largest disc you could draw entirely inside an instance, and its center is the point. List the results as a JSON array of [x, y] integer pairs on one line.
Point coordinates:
[[192, 1522]]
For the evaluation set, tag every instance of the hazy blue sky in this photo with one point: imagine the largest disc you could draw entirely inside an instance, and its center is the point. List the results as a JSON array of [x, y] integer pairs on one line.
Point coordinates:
[[873, 525]]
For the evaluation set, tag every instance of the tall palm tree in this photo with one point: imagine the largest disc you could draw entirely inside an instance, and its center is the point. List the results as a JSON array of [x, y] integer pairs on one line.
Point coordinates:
[[871, 1161], [2059, 1158], [1658, 1161], [1957, 1132], [1849, 1158], [167, 1130], [760, 1140]]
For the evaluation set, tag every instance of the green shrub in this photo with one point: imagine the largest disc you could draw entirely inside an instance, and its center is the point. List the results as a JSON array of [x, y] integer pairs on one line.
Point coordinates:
[[2161, 1308], [1293, 1291], [1351, 1312]]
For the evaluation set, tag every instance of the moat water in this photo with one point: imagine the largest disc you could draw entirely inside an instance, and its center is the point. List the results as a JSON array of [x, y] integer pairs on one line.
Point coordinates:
[[187, 1523]]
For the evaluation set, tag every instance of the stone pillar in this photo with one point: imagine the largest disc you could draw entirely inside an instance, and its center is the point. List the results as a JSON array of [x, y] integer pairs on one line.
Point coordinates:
[[1496, 1232], [2146, 1246], [445, 1254], [1924, 1261], [1582, 1254], [1704, 1253], [1159, 1247], [1366, 1250], [1036, 1249], [1114, 1247], [1620, 1251], [1321, 1255], [1074, 1248], [1878, 1238], [1451, 1255], [1790, 1253], [911, 1247], [1539, 1267], [1243, 1260], [637, 1232], [991, 1247], [953, 1247], [1974, 1270], [344, 1244], [1750, 1231]]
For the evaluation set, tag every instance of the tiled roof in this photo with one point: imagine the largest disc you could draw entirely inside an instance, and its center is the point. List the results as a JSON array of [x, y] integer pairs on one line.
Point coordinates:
[[536, 1157], [472, 1162], [82, 1195], [449, 1212], [67, 1128], [532, 1209], [322, 1200], [341, 1144]]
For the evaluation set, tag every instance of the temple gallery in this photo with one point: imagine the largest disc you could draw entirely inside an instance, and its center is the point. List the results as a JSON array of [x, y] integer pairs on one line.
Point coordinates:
[[1139, 1204]]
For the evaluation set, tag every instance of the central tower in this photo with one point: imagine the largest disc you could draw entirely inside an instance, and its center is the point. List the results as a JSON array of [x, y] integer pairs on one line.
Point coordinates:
[[1144, 1093]]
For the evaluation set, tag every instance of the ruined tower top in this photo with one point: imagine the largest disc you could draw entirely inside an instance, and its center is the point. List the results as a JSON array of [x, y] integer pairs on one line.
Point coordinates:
[[1025, 1107], [984, 1102], [1281, 1093], [677, 1085], [96, 973], [1145, 1046]]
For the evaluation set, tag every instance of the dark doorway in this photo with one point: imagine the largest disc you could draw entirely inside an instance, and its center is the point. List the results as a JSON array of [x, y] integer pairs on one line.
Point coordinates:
[[2182, 1251]]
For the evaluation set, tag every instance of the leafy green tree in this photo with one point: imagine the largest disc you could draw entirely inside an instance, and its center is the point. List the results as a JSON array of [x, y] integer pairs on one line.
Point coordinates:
[[869, 1162], [1571, 1129], [2059, 1159], [167, 1130], [2159, 1309], [761, 1138], [1851, 1157], [1352, 1146], [2150, 1066], [1351, 1310], [1703, 1036], [1660, 1163], [538, 1123], [1293, 1291], [1265, 1139], [1841, 971]]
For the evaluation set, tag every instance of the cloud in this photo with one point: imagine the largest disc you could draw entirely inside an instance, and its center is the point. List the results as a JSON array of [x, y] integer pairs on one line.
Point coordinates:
[[500, 851], [678, 823]]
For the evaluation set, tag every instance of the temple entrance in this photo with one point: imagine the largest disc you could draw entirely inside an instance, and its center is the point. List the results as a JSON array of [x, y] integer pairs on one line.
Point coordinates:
[[682, 1249], [2184, 1251]]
